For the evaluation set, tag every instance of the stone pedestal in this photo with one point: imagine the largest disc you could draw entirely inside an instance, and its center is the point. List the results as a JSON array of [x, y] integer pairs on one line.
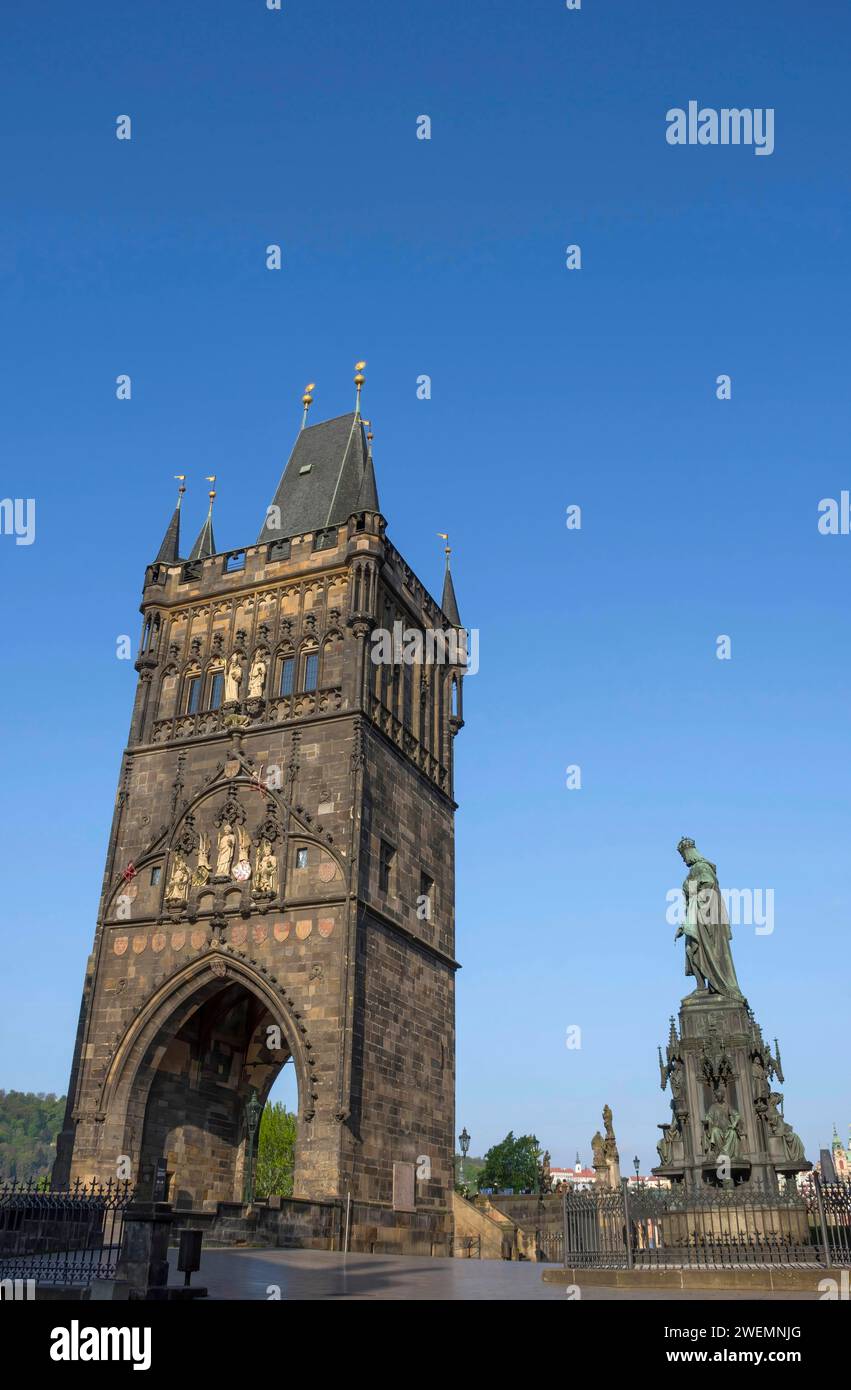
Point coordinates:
[[726, 1125], [143, 1261]]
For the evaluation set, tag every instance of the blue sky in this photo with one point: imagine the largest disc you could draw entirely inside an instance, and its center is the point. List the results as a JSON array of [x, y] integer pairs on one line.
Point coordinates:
[[550, 387]]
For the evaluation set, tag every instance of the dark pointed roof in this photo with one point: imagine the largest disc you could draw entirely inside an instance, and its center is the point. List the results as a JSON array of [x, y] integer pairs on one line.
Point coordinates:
[[169, 551], [368, 495], [205, 546], [322, 482], [449, 603]]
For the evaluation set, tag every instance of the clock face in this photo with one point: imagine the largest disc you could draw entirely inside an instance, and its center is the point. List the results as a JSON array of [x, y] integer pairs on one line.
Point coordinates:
[[242, 871]]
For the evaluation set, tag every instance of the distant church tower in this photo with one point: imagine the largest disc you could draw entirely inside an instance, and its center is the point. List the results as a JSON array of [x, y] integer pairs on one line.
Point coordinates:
[[279, 880]]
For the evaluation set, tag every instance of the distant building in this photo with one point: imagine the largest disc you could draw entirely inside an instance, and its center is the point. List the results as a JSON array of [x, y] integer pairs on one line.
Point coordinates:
[[579, 1179], [576, 1178], [841, 1157]]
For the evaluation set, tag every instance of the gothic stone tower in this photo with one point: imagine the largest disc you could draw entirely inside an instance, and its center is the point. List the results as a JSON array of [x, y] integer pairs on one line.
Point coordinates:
[[279, 880]]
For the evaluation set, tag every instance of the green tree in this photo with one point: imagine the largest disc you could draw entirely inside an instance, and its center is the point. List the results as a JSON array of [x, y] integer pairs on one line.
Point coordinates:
[[513, 1163], [276, 1152], [29, 1125]]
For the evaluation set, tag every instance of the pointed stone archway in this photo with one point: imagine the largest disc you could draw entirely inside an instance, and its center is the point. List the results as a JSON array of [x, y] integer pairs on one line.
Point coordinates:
[[175, 1095]]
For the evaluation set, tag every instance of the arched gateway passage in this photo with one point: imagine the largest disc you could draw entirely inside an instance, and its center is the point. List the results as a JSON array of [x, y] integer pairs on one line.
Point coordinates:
[[179, 1087]]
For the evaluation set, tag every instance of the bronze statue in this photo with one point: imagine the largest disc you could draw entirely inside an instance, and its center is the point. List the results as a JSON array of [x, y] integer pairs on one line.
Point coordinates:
[[706, 926], [793, 1146], [670, 1133], [722, 1127]]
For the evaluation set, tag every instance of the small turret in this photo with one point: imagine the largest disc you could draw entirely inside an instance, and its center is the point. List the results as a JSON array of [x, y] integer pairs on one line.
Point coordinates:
[[205, 546], [169, 551]]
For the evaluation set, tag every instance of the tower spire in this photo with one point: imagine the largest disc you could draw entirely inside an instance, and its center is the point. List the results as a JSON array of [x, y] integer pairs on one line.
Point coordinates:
[[169, 551], [307, 400], [449, 603], [368, 492], [205, 546], [359, 381]]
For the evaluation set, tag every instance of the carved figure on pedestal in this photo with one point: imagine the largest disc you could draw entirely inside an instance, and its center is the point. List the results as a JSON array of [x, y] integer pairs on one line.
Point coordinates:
[[606, 1157], [257, 677], [722, 1134], [266, 870], [233, 677], [706, 927], [670, 1134], [598, 1148], [224, 851], [793, 1146], [179, 879]]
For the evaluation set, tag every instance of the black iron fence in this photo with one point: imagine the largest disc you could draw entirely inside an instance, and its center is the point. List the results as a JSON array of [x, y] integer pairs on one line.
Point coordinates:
[[829, 1208], [67, 1236], [550, 1246], [750, 1225]]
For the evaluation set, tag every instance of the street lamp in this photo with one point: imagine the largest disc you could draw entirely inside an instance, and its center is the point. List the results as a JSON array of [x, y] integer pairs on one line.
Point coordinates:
[[636, 1163], [464, 1141], [253, 1111]]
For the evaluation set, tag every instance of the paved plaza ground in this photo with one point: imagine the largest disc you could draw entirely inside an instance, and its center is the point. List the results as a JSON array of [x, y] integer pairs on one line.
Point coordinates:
[[321, 1274]]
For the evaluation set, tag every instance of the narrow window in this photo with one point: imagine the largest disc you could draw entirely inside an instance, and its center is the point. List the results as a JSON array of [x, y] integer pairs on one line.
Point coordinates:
[[311, 671], [156, 871], [287, 669], [408, 696], [193, 694], [216, 685], [235, 561], [425, 903], [301, 858], [385, 866]]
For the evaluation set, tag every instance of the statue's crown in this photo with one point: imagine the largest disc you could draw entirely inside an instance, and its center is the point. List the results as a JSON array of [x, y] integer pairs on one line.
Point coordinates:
[[685, 843]]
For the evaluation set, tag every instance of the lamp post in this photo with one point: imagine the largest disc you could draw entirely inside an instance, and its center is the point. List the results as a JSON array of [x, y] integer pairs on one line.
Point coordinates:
[[253, 1111], [636, 1163], [464, 1141]]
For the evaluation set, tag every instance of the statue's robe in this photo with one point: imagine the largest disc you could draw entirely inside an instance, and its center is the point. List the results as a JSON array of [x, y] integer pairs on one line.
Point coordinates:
[[722, 1130], [707, 931]]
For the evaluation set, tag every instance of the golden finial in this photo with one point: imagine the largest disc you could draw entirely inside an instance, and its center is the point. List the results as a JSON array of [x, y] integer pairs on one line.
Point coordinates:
[[211, 478], [369, 436], [359, 381], [447, 549], [307, 400], [180, 478]]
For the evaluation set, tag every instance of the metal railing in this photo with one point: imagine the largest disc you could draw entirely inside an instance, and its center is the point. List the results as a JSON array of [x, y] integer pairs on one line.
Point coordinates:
[[467, 1247], [550, 1246], [750, 1225], [61, 1236], [829, 1208]]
